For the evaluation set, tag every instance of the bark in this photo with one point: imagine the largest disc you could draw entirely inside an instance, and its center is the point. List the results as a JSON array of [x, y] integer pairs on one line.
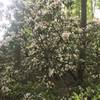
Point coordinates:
[[17, 56], [82, 46], [83, 13]]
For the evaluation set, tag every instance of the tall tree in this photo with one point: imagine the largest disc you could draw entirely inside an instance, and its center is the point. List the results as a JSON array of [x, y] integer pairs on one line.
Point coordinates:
[[83, 13], [82, 47]]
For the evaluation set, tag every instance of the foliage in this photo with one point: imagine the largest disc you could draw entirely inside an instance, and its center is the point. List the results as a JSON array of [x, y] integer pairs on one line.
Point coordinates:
[[40, 53], [88, 93]]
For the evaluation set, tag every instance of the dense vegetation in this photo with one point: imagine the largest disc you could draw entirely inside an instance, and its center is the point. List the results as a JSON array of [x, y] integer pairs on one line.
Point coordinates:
[[51, 51]]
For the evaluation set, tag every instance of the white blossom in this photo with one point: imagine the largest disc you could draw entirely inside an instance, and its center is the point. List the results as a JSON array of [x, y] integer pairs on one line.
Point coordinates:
[[65, 36]]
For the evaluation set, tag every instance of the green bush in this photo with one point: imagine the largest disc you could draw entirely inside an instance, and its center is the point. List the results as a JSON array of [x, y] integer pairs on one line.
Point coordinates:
[[92, 92]]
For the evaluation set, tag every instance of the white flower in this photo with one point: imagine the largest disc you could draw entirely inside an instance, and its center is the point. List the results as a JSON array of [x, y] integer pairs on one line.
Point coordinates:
[[65, 36], [51, 71], [5, 89], [28, 94]]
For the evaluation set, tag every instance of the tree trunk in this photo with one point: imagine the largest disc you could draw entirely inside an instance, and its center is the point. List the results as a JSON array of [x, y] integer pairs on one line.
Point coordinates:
[[17, 55], [82, 46], [83, 13]]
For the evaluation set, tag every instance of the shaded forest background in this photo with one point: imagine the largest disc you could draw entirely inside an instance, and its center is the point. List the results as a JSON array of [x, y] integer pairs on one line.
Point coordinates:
[[51, 51]]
